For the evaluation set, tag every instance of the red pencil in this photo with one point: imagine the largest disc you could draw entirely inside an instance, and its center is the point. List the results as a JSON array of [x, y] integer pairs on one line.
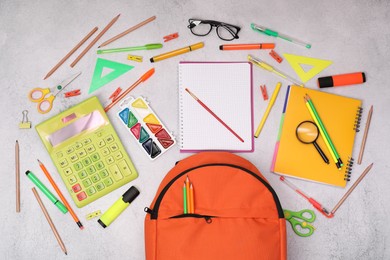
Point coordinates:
[[214, 115]]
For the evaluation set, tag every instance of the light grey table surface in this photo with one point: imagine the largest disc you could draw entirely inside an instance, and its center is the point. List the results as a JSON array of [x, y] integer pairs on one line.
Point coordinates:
[[35, 35]]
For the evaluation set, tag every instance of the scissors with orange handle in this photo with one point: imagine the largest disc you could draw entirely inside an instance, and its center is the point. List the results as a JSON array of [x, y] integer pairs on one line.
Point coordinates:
[[45, 96]]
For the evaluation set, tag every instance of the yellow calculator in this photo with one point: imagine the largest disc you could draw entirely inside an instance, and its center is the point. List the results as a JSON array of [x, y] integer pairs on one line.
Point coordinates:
[[86, 151]]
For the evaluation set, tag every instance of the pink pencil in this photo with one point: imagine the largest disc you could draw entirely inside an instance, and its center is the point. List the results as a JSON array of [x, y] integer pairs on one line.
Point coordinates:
[[214, 115]]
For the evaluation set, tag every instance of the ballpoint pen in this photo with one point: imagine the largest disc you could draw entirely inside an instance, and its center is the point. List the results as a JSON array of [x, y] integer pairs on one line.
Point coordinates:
[[268, 67], [269, 32]]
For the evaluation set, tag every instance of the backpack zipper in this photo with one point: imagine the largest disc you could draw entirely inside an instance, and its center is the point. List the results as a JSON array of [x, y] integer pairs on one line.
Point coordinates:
[[208, 219], [154, 212]]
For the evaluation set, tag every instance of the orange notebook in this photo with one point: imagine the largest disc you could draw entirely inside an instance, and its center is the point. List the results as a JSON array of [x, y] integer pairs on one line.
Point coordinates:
[[341, 118]]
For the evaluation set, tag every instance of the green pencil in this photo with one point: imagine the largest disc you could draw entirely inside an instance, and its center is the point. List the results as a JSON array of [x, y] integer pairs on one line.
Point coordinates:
[[326, 135], [151, 46], [185, 198]]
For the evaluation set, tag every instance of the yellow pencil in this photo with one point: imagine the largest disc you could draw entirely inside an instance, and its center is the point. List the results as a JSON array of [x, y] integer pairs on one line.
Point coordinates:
[[177, 52], [270, 104]]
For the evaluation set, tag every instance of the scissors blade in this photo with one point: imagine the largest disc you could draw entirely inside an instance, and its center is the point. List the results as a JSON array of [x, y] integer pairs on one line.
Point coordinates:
[[65, 83]]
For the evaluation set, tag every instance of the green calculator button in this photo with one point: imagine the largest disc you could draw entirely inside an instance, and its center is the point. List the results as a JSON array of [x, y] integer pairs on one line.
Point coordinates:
[[60, 155], [87, 161], [82, 174], [82, 153], [118, 156], [124, 168], [90, 148], [95, 178], [86, 141], [63, 163], [78, 145], [72, 179], [105, 151], [101, 143], [78, 166], [110, 160], [87, 182], [68, 171], [91, 190], [108, 181], [70, 150], [109, 139], [95, 157], [116, 173], [103, 174], [91, 169], [74, 158], [114, 147], [99, 165], [99, 186]]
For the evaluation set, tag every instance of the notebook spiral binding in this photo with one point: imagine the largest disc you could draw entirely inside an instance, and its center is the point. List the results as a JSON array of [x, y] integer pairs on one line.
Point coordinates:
[[180, 111], [358, 118], [348, 169]]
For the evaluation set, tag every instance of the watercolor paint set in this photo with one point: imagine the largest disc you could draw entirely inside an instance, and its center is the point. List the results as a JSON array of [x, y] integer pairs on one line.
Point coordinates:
[[145, 127]]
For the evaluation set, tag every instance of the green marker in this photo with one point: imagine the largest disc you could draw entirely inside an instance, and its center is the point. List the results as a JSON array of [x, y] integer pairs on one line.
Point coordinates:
[[47, 192], [151, 46], [269, 32], [118, 207]]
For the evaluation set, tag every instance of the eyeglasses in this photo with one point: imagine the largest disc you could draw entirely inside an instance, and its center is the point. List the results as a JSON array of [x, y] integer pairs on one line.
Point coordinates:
[[226, 32]]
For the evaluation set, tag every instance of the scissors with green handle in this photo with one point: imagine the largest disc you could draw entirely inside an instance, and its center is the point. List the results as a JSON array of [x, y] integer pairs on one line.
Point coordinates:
[[45, 96], [299, 221]]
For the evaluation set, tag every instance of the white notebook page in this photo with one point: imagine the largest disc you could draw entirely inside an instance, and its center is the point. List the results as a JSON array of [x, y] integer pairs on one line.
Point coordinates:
[[226, 88]]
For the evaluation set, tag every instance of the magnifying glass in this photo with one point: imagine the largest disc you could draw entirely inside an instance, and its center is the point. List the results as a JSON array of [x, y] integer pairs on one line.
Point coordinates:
[[307, 132]]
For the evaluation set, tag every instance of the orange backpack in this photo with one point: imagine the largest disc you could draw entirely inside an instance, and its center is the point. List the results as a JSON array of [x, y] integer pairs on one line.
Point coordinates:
[[237, 214]]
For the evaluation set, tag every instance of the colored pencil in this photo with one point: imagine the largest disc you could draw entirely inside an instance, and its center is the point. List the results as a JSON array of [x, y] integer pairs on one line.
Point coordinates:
[[127, 31], [47, 216], [71, 52], [188, 195], [58, 191], [214, 115], [323, 132], [184, 199], [17, 175], [192, 202], [365, 135], [94, 41], [266, 113], [144, 77]]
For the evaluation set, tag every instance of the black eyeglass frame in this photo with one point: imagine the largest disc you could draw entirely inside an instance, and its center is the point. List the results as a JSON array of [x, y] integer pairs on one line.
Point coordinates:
[[216, 24]]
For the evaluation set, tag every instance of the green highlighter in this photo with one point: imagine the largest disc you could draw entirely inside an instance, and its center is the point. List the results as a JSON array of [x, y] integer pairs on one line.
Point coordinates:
[[46, 191], [118, 207], [150, 46]]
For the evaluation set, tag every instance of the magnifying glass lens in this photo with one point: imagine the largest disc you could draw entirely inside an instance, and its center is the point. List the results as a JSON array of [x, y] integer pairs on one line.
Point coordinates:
[[307, 132]]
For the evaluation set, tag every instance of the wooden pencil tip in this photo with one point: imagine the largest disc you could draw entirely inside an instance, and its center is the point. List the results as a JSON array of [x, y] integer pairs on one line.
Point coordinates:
[[39, 161], [45, 77]]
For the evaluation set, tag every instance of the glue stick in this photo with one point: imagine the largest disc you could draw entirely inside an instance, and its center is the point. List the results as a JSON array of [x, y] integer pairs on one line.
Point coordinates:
[[118, 207]]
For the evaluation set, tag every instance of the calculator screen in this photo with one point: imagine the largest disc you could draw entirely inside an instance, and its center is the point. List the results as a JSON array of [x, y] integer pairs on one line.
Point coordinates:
[[90, 121]]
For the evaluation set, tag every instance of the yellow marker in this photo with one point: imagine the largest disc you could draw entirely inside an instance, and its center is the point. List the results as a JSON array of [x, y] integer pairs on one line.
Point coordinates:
[[177, 52], [268, 67], [270, 104], [93, 214], [134, 58], [118, 207]]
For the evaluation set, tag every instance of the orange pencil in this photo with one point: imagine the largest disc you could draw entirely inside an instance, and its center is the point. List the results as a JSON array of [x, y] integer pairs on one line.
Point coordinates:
[[76, 219], [248, 46], [188, 195], [192, 203]]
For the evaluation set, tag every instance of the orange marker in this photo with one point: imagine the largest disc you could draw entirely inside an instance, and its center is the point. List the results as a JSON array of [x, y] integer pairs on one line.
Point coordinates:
[[76, 219], [249, 46], [342, 80]]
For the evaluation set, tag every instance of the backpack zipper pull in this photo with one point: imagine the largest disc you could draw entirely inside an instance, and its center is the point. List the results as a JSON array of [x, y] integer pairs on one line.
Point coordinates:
[[208, 220], [148, 210]]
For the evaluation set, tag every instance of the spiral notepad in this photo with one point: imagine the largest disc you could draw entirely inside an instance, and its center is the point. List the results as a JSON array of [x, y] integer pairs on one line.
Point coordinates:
[[226, 88], [341, 117]]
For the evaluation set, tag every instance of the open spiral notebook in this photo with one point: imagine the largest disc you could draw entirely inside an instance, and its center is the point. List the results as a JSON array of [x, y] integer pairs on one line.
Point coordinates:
[[226, 88]]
